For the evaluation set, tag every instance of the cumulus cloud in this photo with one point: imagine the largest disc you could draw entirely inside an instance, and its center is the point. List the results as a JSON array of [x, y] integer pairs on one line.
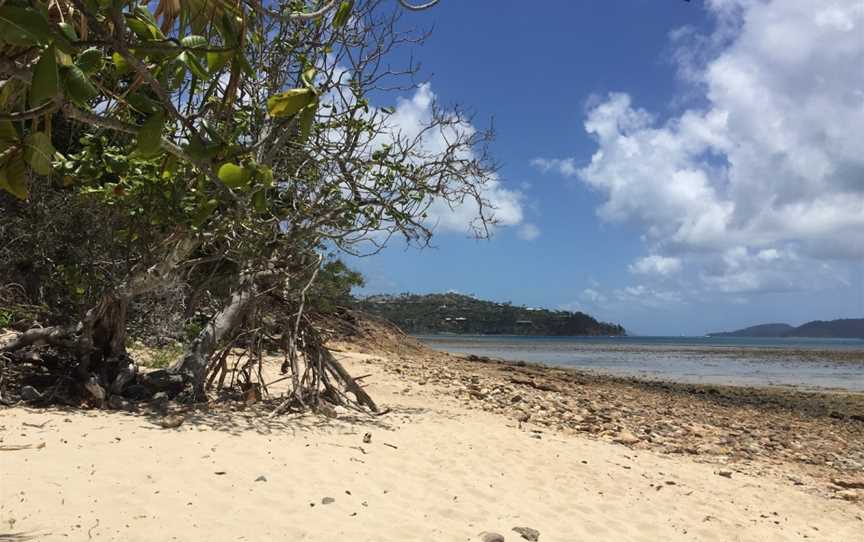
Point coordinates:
[[656, 265], [409, 119], [566, 166], [648, 297], [761, 187], [626, 299]]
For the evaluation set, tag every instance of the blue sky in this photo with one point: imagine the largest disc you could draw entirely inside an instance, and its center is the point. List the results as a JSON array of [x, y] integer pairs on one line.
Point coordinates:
[[722, 192]]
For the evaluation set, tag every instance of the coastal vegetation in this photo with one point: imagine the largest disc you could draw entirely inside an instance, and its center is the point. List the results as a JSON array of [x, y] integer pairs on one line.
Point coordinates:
[[204, 163], [458, 313]]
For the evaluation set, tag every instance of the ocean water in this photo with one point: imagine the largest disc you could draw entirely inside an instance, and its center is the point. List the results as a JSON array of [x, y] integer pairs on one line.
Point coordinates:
[[806, 364]]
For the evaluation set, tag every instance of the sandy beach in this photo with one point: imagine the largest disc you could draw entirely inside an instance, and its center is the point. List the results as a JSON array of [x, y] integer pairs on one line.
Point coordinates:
[[435, 467]]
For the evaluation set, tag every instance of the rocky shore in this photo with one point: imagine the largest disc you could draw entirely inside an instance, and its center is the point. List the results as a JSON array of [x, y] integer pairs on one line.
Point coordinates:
[[815, 440]]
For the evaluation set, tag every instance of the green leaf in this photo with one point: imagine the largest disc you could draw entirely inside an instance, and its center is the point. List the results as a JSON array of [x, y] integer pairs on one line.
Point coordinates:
[[289, 102], [259, 201], [38, 152], [145, 14], [202, 150], [241, 63], [143, 103], [342, 14], [90, 61], [120, 63], [24, 26], [150, 134], [194, 42], [13, 177], [309, 77], [170, 167], [143, 25], [204, 212], [78, 85], [68, 30], [8, 135], [192, 64], [265, 174], [234, 176], [307, 117], [216, 61], [45, 84]]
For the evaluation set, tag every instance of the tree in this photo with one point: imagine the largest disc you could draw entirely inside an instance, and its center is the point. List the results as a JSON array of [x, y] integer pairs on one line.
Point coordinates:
[[216, 148]]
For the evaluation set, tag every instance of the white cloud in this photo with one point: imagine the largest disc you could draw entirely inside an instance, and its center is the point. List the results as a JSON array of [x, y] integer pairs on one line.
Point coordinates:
[[742, 270], [528, 232], [762, 186], [647, 297], [656, 265], [626, 299], [566, 166], [409, 119]]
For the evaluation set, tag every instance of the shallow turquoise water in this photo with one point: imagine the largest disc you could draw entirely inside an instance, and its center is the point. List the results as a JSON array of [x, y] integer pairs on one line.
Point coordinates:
[[809, 364]]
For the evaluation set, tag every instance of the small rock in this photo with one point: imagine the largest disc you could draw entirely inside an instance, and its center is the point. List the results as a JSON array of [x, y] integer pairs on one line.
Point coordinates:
[[724, 473], [170, 422], [261, 478], [29, 393], [491, 537], [528, 533], [626, 437], [367, 438], [328, 500], [523, 417]]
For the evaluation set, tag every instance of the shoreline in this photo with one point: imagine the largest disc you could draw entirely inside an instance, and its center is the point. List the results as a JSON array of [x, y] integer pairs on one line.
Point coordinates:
[[445, 462], [661, 380], [809, 439], [793, 369]]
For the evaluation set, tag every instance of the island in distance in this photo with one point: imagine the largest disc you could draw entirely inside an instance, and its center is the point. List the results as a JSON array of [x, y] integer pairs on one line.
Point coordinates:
[[848, 328], [462, 314]]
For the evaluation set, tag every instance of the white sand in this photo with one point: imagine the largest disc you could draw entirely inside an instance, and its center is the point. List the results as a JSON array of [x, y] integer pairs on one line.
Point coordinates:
[[453, 473]]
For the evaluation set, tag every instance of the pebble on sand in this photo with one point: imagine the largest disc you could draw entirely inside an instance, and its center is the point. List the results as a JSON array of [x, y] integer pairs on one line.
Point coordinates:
[[533, 535]]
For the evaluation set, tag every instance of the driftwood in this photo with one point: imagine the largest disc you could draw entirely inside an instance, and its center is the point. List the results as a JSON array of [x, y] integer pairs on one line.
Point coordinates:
[[16, 447]]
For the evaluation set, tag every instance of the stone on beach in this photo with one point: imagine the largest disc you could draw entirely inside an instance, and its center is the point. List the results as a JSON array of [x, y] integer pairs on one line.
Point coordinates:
[[533, 535]]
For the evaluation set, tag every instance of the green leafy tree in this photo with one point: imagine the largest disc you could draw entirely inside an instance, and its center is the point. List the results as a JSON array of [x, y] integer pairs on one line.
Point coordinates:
[[218, 147]]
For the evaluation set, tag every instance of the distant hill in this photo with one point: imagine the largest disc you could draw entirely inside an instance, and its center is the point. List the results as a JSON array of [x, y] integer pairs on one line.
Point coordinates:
[[457, 313], [763, 330], [849, 328]]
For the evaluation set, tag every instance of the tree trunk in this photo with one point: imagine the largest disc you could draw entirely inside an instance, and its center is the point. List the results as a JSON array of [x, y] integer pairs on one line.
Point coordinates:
[[193, 365], [98, 342]]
